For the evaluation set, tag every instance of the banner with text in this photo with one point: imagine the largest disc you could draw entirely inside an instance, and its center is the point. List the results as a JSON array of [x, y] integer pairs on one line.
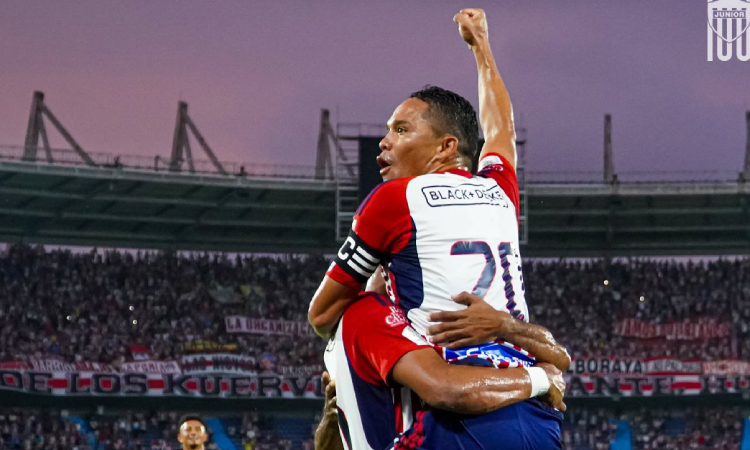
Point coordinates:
[[151, 367], [142, 384], [247, 325], [206, 363], [688, 330]]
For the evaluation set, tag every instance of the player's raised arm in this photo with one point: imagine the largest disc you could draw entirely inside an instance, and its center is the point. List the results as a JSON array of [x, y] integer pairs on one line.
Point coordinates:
[[495, 109]]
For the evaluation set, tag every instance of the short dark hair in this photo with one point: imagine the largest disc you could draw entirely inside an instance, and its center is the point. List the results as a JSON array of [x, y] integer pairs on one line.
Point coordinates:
[[452, 114], [196, 417]]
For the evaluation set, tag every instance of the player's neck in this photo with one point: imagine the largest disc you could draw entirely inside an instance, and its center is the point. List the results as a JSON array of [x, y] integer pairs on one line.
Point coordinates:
[[453, 165]]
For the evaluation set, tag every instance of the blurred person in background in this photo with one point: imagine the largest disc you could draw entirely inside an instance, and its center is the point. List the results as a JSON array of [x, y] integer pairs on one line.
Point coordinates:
[[193, 433]]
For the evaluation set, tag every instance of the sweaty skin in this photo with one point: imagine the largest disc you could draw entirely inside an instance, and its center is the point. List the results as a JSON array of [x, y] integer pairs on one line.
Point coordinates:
[[480, 323]]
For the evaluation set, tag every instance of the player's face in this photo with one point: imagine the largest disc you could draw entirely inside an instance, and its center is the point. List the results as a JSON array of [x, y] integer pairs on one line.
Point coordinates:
[[410, 146], [192, 435]]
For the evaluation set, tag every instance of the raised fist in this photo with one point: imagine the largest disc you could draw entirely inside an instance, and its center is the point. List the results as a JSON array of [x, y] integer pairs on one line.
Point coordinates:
[[472, 24]]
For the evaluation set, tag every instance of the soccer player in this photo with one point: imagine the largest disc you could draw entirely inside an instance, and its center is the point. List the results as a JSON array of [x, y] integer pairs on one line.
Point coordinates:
[[375, 352], [192, 433], [435, 229]]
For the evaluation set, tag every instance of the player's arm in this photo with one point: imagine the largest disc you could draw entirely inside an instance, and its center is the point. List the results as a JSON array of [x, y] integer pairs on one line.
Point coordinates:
[[480, 323], [329, 303], [332, 298], [476, 390], [382, 225], [495, 108]]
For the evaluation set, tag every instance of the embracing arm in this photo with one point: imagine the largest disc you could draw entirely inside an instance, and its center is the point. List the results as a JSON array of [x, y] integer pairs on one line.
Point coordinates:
[[475, 390], [495, 108], [480, 323], [328, 305]]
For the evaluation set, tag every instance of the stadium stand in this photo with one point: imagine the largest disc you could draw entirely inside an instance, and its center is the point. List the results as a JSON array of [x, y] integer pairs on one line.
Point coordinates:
[[157, 430], [95, 305], [62, 304]]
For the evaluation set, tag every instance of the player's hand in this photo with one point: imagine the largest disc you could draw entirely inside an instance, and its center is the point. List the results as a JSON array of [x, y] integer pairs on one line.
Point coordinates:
[[330, 408], [556, 393], [327, 434], [479, 323], [472, 24]]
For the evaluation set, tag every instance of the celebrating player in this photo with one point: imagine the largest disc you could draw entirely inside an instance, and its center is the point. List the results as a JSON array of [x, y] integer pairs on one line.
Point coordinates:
[[437, 230]]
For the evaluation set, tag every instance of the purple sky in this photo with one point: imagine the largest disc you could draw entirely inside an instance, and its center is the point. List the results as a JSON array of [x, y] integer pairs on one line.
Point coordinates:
[[256, 74]]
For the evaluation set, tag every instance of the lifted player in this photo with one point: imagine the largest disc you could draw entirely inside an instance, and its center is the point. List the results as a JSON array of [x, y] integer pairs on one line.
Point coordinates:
[[377, 360]]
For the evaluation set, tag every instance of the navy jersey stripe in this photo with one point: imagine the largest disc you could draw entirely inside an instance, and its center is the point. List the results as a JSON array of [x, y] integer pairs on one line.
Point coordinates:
[[376, 409], [406, 267]]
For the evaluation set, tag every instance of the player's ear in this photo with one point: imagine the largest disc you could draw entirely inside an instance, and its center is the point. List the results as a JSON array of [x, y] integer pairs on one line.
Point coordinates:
[[449, 148]]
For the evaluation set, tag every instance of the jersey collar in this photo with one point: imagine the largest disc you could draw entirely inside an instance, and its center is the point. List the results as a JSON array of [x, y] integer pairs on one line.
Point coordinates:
[[461, 172]]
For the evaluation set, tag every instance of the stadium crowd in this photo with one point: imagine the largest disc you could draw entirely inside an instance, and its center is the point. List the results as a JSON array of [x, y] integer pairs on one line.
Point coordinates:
[[95, 306], [156, 430], [691, 428], [694, 429]]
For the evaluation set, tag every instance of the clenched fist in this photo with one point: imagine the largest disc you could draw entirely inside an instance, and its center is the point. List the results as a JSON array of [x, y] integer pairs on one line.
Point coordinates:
[[472, 24]]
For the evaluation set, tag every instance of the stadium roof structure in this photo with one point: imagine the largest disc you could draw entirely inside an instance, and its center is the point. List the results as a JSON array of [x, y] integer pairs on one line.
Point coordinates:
[[700, 217], [135, 203], [74, 197], [132, 204]]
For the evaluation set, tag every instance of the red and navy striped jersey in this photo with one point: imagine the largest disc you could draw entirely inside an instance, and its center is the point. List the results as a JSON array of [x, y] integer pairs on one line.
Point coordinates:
[[437, 235], [371, 337]]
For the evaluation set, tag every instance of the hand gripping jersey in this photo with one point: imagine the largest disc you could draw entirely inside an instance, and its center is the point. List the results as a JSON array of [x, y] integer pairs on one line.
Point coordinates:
[[437, 235]]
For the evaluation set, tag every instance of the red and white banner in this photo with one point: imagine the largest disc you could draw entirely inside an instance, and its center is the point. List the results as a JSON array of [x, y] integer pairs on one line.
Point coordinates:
[[728, 367], [623, 366], [687, 330], [670, 366], [56, 365], [207, 363], [139, 352], [242, 324], [151, 367], [309, 386], [158, 385]]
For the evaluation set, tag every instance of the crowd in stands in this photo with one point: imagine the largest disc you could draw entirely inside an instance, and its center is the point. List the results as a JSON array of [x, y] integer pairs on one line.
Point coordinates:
[[24, 430], [692, 429], [157, 430], [580, 302], [588, 429], [93, 306]]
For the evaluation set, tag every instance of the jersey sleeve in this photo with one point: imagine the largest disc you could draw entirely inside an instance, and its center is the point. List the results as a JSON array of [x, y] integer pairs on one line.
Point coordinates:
[[376, 335], [381, 226], [496, 167]]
